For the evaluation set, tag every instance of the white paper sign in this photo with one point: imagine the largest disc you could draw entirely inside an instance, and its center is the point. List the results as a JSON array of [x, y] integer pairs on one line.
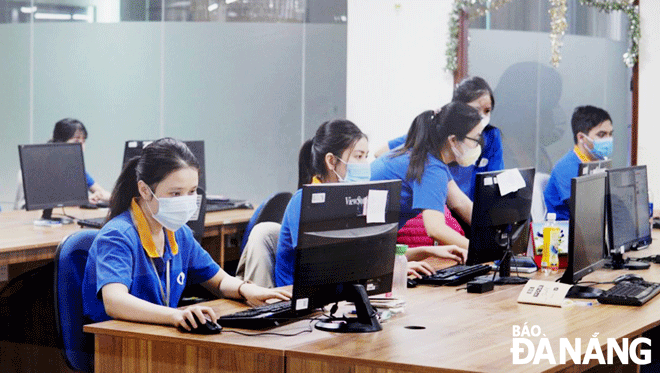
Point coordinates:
[[510, 181], [546, 293], [376, 204]]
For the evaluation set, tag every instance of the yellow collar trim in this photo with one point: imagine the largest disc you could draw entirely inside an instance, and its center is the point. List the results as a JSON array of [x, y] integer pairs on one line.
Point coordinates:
[[145, 235], [316, 180], [583, 157]]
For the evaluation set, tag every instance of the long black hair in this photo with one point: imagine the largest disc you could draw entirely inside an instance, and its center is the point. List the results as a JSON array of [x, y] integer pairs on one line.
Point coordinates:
[[157, 161], [470, 89], [430, 130], [66, 129], [333, 137]]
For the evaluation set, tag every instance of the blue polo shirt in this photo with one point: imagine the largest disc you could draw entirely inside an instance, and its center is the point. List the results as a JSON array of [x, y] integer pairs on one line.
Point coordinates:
[[285, 257], [430, 193], [117, 256], [558, 191], [491, 159]]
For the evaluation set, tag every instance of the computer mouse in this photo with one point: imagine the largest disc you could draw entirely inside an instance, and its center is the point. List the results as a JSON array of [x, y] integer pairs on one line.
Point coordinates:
[[210, 327], [631, 277], [411, 283]]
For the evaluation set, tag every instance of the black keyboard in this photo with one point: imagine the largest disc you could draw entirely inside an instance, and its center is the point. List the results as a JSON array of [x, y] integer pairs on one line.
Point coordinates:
[[630, 293], [92, 223], [455, 275], [262, 317], [227, 205]]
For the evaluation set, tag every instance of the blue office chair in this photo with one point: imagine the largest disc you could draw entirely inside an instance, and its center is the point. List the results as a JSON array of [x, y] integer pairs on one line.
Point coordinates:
[[271, 209], [70, 260]]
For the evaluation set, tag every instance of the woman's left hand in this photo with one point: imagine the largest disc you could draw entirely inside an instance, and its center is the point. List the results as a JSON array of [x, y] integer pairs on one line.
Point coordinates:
[[256, 295]]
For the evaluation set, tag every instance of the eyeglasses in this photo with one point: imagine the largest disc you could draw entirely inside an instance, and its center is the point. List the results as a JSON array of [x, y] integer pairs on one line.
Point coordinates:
[[479, 140]]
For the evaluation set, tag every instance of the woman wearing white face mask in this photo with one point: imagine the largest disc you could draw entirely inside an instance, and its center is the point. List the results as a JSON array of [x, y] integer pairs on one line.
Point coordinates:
[[434, 141], [475, 92], [145, 255]]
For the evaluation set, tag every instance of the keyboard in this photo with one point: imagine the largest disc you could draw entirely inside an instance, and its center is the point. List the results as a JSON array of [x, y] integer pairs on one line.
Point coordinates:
[[92, 223], [455, 275], [220, 205], [262, 317], [630, 293]]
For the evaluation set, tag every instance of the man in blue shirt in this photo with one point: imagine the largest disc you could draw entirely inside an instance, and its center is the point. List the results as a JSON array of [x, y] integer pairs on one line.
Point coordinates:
[[592, 134]]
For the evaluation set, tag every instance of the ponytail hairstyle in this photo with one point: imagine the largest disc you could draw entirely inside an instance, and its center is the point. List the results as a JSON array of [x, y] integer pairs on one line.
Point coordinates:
[[331, 137], [470, 89], [66, 129], [157, 161], [430, 131]]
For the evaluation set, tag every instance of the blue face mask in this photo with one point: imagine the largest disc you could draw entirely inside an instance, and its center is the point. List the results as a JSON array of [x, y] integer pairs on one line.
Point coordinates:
[[602, 147], [355, 172]]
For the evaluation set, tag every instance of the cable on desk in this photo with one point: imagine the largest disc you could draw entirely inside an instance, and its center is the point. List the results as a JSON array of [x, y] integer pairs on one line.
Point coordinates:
[[308, 330]]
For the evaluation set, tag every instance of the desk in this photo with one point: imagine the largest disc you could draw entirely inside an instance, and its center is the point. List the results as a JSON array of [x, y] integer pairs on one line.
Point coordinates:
[[465, 332], [23, 242]]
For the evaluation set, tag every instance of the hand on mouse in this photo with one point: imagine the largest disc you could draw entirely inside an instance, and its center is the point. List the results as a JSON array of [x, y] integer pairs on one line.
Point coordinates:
[[202, 312]]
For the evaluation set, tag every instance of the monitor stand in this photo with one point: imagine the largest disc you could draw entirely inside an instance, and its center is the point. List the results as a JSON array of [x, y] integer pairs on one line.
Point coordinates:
[[505, 277], [366, 320], [617, 262], [47, 219], [584, 292]]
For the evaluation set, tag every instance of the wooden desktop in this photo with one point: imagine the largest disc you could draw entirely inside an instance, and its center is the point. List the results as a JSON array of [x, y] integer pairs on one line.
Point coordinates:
[[442, 329]]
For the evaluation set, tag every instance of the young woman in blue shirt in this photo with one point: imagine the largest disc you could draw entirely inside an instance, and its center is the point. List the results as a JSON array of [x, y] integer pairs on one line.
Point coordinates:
[[338, 152], [145, 255], [434, 140], [475, 92]]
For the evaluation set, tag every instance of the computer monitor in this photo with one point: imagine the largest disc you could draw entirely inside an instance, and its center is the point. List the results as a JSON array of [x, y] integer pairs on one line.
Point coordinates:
[[500, 223], [586, 233], [588, 168], [344, 251], [134, 148], [628, 209], [53, 176]]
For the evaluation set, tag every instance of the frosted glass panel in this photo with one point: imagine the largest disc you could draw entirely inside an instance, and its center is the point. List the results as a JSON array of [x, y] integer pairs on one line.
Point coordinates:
[[237, 87], [14, 105], [534, 101], [105, 75]]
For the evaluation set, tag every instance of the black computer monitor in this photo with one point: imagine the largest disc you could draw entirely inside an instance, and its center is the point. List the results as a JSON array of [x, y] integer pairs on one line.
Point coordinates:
[[500, 224], [53, 176], [628, 222], [588, 168], [133, 148], [586, 233], [340, 254]]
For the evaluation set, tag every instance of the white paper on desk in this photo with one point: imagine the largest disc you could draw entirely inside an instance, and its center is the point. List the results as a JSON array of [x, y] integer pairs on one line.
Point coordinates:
[[510, 181], [376, 204], [545, 293]]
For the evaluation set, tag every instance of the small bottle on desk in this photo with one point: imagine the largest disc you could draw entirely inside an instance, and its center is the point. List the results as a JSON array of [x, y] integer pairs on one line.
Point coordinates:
[[400, 276]]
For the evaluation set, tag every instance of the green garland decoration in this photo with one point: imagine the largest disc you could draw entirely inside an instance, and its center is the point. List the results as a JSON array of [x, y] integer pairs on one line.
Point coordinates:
[[634, 32], [478, 8], [474, 9]]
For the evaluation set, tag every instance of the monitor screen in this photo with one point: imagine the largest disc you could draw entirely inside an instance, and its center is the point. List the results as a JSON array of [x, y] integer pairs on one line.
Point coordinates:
[[588, 168], [347, 237], [133, 148], [628, 208], [586, 228], [53, 175], [497, 217]]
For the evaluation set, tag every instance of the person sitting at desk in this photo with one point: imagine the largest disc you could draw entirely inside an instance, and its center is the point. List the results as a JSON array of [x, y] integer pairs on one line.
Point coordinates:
[[68, 130], [435, 140], [337, 153], [475, 92], [145, 255], [592, 134]]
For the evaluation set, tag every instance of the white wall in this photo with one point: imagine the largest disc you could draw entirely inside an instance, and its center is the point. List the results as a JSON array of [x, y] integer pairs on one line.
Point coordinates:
[[395, 64], [649, 83]]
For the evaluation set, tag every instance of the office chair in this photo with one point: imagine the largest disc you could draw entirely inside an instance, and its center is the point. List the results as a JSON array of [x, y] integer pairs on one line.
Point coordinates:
[[70, 260], [538, 197], [197, 225], [271, 209]]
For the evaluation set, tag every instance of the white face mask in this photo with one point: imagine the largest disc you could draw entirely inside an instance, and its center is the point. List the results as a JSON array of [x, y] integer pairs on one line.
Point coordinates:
[[468, 157], [174, 212]]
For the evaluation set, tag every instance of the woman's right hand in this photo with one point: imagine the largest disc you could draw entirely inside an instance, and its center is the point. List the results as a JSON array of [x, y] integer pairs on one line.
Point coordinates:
[[202, 313], [452, 252]]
